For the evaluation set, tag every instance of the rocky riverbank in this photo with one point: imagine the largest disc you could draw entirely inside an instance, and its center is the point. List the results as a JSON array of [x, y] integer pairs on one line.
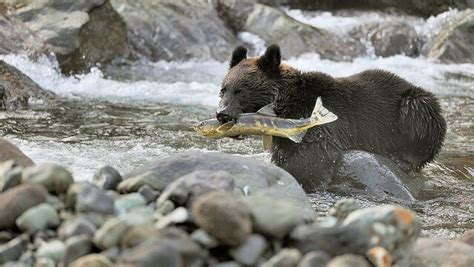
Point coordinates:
[[193, 210], [97, 33]]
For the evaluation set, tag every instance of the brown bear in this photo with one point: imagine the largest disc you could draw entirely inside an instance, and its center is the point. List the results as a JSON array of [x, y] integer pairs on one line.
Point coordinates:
[[377, 111]]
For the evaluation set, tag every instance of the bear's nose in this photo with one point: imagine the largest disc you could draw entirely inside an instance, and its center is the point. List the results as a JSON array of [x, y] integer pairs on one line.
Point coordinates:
[[223, 117]]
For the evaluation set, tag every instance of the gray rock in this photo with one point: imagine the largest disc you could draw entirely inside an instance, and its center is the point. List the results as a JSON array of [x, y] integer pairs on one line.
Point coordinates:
[[92, 260], [186, 189], [18, 89], [76, 247], [138, 216], [343, 208], [17, 200], [107, 178], [50, 175], [10, 174], [12, 250], [454, 43], [250, 251], [348, 260], [226, 264], [163, 250], [72, 192], [110, 233], [92, 198], [17, 38], [9, 151], [38, 218], [54, 250], [274, 217], [294, 37], [257, 177], [438, 252], [129, 202], [395, 38], [467, 237], [44, 262], [314, 259], [204, 239], [220, 214], [148, 193], [286, 257], [138, 234], [77, 226], [55, 202], [165, 207], [178, 37], [179, 215], [362, 173]]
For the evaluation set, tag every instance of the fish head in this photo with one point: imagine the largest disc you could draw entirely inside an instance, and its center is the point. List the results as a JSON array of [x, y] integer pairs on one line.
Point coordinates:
[[208, 128]]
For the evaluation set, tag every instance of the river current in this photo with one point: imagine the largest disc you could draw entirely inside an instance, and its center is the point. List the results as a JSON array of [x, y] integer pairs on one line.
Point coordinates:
[[132, 113]]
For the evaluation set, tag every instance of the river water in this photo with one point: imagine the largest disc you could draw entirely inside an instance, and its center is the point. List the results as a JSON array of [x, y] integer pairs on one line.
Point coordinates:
[[132, 113]]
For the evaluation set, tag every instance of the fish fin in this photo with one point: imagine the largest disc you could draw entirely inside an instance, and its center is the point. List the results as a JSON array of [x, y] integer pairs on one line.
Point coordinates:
[[226, 126], [297, 138], [267, 110], [267, 141], [321, 115]]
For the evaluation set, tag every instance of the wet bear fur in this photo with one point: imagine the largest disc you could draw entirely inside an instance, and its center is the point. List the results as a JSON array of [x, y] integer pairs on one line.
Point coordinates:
[[378, 112]]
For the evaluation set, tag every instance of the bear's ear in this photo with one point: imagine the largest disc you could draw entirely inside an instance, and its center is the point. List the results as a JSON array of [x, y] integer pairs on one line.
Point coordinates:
[[270, 61], [238, 55]]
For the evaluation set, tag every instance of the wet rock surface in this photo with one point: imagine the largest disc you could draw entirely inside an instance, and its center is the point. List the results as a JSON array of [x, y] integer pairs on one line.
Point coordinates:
[[436, 252]]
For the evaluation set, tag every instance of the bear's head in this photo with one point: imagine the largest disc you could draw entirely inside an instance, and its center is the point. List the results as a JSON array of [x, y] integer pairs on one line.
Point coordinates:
[[250, 83]]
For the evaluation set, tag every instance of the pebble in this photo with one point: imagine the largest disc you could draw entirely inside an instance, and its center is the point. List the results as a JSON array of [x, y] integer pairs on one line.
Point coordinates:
[[132, 184], [54, 250], [79, 225], [314, 259], [54, 177], [129, 202], [38, 218], [76, 247], [10, 175], [92, 198], [92, 260], [250, 251], [348, 260], [12, 250], [223, 216], [164, 207], [467, 237], [178, 215], [286, 257], [204, 239], [148, 193], [138, 234], [138, 216], [107, 178], [110, 233], [17, 200], [343, 208]]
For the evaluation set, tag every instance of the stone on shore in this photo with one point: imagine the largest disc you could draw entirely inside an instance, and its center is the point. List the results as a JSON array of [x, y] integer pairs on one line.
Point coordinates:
[[9, 151], [13, 249], [38, 218], [250, 252], [10, 174], [110, 233], [92, 198], [438, 252], [76, 247], [107, 178], [76, 226], [92, 260], [54, 250], [54, 177]]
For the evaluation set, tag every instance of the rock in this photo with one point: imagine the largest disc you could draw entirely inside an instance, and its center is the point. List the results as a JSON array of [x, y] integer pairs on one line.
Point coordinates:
[[348, 260], [72, 192], [44, 262], [92, 198], [314, 259], [177, 37], [138, 216], [223, 216], [12, 250], [343, 208], [132, 184], [77, 226], [438, 252], [186, 189], [76, 247], [95, 47], [138, 234], [129, 202], [92, 260], [18, 89], [16, 37], [9, 151], [163, 251], [17, 200], [107, 178], [394, 39], [54, 250], [38, 218], [50, 175], [10, 174], [226, 264], [286, 257], [148, 193], [55, 202], [362, 173], [273, 217], [178, 215], [165, 207], [454, 42], [467, 237], [250, 251], [294, 37], [256, 177], [204, 239], [110, 233]]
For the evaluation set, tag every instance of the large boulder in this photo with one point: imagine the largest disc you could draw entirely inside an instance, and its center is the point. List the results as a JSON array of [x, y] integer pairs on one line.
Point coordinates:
[[455, 41], [429, 252], [9, 151], [294, 37], [416, 7], [16, 89], [251, 177], [166, 30]]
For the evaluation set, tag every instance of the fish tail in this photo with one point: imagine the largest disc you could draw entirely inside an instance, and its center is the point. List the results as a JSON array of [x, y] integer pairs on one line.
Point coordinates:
[[321, 115]]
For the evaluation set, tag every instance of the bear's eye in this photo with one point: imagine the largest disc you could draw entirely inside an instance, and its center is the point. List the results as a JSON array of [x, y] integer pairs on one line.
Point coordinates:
[[222, 92]]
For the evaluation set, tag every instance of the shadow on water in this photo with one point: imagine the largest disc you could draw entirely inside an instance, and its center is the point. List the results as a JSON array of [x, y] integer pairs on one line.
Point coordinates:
[[85, 133]]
